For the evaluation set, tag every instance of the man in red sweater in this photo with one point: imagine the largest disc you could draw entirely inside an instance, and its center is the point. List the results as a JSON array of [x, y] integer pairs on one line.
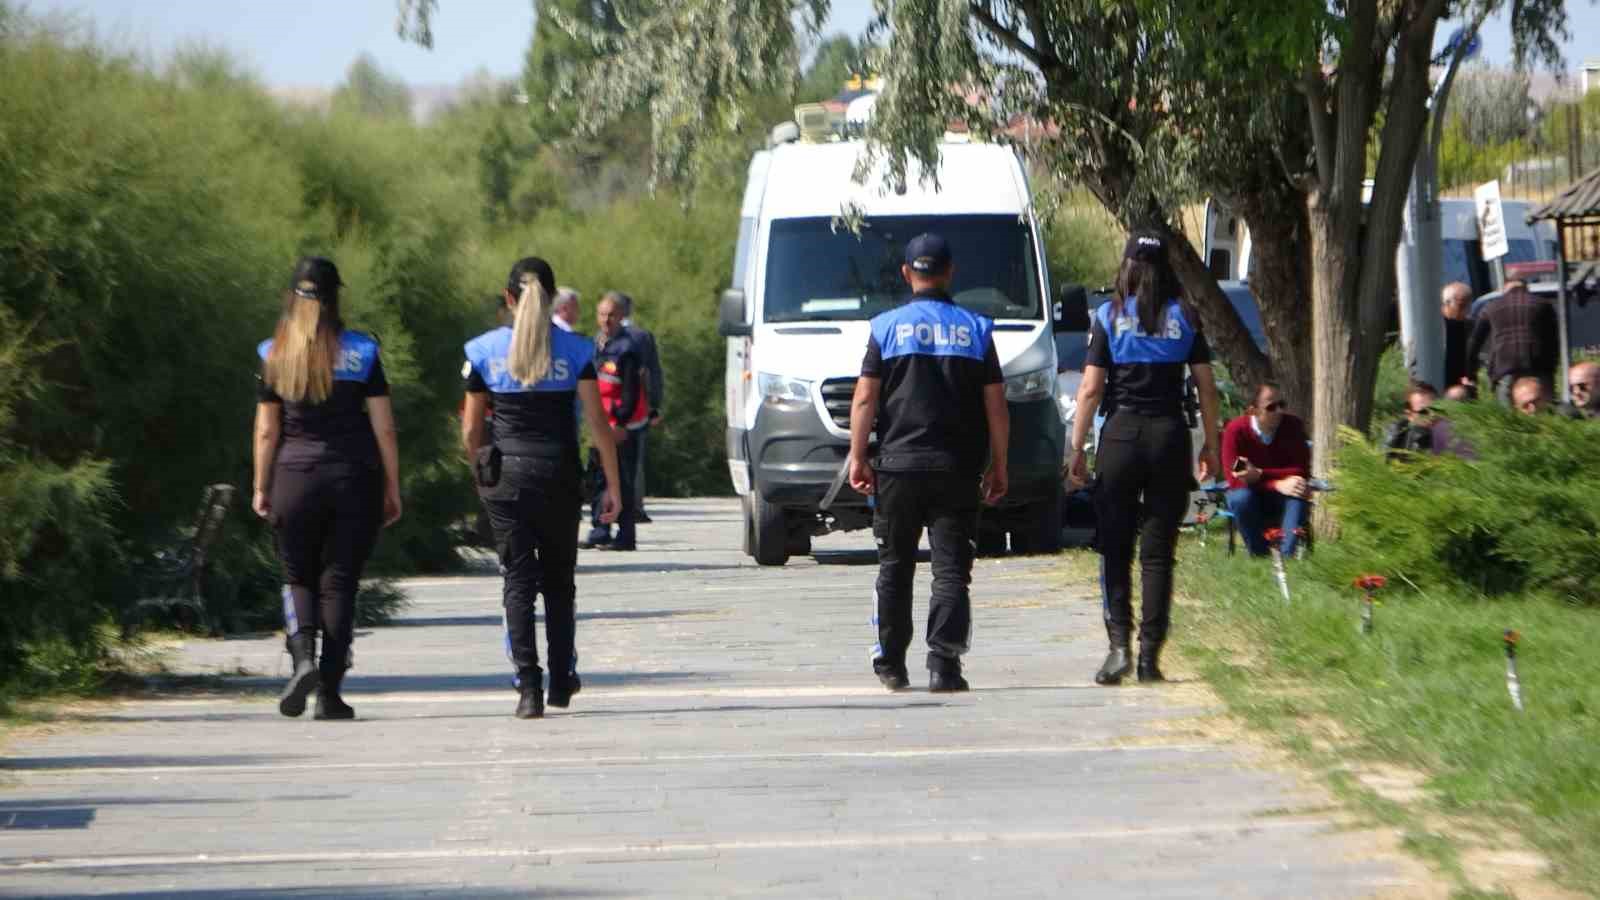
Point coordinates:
[[1268, 458]]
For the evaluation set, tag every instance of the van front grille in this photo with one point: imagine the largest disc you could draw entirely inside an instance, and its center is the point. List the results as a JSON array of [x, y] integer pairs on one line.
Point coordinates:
[[836, 396]]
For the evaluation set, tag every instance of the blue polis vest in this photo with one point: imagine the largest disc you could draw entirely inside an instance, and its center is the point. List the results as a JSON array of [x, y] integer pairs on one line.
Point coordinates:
[[932, 328], [1131, 346], [358, 352], [569, 354]]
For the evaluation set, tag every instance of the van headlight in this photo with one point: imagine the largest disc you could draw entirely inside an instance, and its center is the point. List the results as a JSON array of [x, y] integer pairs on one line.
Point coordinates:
[[1028, 386], [783, 392]]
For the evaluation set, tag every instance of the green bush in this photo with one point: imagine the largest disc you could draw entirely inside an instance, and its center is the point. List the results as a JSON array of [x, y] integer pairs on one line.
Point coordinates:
[[1522, 517]]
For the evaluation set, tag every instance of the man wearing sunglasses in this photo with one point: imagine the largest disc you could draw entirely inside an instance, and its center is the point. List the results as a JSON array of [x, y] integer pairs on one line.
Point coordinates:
[[1268, 460], [1583, 384]]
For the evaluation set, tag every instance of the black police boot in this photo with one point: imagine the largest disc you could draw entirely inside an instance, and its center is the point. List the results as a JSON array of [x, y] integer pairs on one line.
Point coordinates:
[[531, 704], [946, 682], [893, 676], [329, 704], [1149, 659], [562, 689], [1119, 662], [530, 693], [303, 650]]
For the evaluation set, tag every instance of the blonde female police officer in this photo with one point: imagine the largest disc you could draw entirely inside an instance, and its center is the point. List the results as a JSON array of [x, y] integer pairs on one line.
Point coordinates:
[[1139, 345], [528, 477], [327, 475]]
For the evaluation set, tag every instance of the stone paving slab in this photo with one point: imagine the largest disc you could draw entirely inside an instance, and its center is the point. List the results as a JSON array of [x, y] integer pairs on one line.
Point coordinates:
[[730, 741]]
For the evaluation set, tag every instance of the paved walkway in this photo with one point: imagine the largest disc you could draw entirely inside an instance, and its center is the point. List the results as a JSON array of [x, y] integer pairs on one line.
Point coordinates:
[[730, 740]]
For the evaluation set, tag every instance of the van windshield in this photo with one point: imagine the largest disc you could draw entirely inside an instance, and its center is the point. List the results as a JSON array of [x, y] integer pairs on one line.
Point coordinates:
[[815, 273]]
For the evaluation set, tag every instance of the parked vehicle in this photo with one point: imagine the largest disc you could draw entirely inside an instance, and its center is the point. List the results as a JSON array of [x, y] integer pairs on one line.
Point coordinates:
[[796, 317]]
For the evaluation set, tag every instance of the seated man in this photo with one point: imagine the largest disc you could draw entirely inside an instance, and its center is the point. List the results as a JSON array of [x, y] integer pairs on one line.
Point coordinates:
[[1583, 385], [1268, 459], [1414, 430], [1528, 395]]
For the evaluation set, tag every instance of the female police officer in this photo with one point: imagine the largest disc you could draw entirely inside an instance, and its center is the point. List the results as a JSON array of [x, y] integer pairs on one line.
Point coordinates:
[[1139, 345], [528, 477], [327, 474]]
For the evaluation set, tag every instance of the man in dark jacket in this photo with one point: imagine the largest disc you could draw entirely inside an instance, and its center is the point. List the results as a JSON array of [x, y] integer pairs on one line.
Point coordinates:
[[620, 378], [1414, 430], [1523, 338], [655, 386]]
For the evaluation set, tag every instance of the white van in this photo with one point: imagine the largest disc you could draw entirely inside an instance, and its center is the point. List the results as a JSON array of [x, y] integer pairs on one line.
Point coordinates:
[[796, 319]]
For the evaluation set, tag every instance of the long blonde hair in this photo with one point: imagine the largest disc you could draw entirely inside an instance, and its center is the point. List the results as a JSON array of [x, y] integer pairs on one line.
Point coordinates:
[[299, 367], [529, 358]]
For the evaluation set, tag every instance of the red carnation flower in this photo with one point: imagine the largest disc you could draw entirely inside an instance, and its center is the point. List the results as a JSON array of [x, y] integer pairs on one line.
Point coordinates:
[[1371, 582], [1274, 535]]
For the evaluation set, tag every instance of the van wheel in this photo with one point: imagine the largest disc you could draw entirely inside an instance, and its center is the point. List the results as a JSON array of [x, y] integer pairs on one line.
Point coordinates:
[[769, 533], [799, 543], [748, 545]]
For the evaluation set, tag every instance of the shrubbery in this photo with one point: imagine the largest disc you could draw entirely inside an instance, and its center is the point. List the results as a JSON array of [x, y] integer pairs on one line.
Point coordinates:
[[148, 219], [1523, 517]]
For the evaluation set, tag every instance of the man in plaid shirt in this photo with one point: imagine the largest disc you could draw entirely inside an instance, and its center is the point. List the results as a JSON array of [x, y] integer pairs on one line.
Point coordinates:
[[1523, 338]]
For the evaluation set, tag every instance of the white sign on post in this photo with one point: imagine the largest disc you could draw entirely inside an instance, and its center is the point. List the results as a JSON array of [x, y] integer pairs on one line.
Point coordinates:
[[1491, 221]]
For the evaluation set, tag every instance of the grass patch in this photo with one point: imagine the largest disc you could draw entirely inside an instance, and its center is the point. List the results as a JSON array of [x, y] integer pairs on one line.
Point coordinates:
[[1426, 691]]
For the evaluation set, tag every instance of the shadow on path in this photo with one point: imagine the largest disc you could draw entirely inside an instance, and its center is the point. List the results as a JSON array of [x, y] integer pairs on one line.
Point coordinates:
[[361, 892], [598, 615], [135, 760]]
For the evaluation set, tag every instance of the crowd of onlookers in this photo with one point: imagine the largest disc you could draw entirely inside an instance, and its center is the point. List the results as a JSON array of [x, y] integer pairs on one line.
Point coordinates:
[[1266, 453]]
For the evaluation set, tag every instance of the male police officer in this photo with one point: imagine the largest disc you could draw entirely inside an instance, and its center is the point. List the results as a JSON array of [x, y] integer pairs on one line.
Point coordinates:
[[931, 384]]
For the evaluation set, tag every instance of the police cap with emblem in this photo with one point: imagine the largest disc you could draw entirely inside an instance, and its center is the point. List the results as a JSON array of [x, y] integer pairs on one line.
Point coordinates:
[[315, 278], [536, 267], [928, 254], [1146, 248]]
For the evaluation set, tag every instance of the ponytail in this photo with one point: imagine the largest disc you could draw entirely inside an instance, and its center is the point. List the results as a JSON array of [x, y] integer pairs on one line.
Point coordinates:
[[299, 367], [529, 358], [1144, 282]]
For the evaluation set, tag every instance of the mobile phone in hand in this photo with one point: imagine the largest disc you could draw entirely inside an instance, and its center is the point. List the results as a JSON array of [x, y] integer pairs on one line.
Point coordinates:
[[1240, 466]]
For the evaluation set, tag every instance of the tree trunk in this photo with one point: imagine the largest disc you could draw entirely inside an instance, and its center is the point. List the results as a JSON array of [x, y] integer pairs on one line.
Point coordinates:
[[1336, 391], [1223, 329]]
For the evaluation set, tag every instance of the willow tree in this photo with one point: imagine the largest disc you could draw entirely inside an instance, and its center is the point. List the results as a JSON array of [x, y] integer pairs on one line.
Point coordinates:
[[1285, 108]]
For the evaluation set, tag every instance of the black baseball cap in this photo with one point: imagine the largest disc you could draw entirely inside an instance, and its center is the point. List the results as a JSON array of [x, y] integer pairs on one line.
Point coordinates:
[[538, 268], [928, 254], [315, 278], [1145, 248]]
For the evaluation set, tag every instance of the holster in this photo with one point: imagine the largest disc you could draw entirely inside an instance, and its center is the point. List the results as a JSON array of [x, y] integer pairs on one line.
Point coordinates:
[[486, 466]]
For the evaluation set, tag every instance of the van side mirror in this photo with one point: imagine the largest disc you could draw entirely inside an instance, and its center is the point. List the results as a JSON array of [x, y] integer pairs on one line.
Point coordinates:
[[1072, 310], [730, 315]]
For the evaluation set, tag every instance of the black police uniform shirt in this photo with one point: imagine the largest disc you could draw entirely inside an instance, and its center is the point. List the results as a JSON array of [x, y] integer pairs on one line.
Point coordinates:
[[336, 430], [934, 359], [531, 419], [1145, 372]]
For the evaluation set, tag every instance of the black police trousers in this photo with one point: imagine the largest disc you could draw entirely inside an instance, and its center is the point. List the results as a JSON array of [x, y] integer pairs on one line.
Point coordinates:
[[326, 519], [1144, 470], [533, 511], [947, 505]]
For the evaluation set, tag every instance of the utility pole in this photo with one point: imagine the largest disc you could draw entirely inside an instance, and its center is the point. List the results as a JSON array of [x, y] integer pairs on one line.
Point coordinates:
[[1418, 270]]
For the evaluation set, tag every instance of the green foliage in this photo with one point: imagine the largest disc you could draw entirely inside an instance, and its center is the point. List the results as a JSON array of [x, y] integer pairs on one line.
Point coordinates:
[[369, 91], [147, 220], [837, 59], [1520, 518], [1083, 243]]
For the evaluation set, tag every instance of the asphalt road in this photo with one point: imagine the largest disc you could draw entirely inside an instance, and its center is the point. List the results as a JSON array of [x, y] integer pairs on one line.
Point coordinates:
[[730, 740]]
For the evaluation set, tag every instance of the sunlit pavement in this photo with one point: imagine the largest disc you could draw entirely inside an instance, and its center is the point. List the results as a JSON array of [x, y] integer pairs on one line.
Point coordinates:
[[730, 739]]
